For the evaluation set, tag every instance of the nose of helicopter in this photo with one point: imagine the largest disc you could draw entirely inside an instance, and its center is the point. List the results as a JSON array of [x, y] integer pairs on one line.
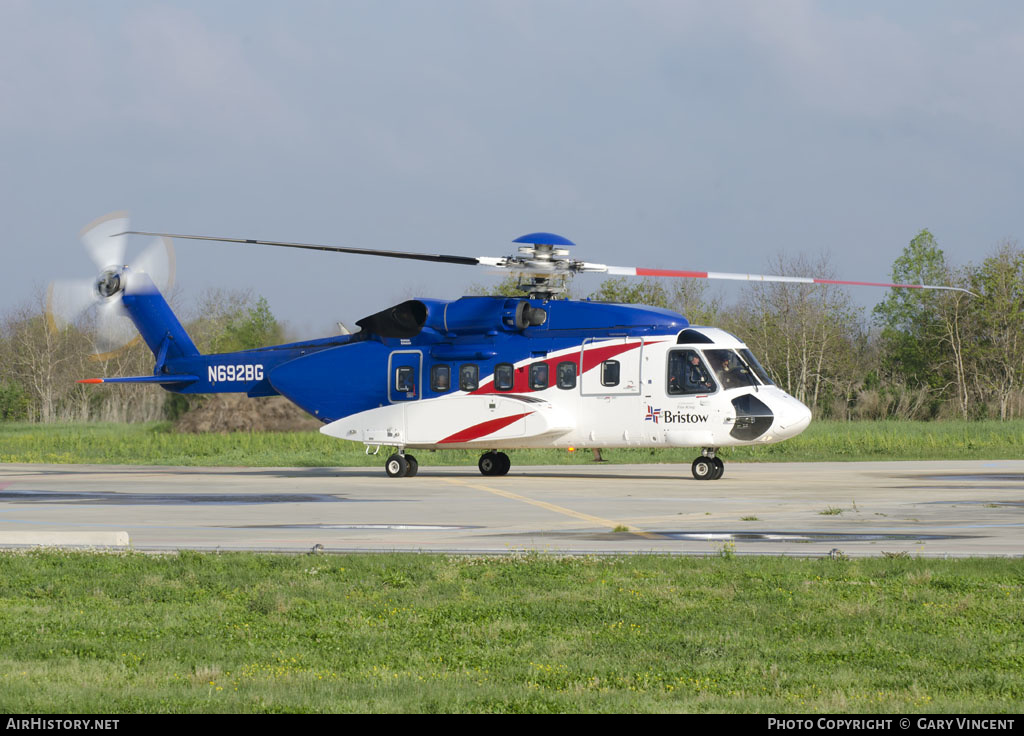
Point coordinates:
[[792, 418]]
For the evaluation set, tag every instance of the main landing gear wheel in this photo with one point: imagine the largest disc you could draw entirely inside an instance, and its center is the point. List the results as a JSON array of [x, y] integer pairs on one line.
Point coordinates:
[[494, 463], [703, 468], [399, 466], [707, 468], [396, 466]]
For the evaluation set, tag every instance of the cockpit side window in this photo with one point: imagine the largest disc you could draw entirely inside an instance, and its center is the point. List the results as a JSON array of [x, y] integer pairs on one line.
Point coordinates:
[[757, 367], [731, 371], [687, 374]]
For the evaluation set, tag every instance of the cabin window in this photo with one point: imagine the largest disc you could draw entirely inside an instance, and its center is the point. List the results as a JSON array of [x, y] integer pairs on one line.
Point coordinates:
[[539, 376], [504, 377], [405, 379], [610, 373], [469, 377], [567, 374], [441, 377], [688, 374]]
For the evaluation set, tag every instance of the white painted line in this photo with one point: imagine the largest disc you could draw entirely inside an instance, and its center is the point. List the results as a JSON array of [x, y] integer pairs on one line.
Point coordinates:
[[65, 539]]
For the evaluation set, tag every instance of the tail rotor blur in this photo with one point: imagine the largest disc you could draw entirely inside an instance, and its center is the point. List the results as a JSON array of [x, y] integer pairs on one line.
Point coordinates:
[[70, 302]]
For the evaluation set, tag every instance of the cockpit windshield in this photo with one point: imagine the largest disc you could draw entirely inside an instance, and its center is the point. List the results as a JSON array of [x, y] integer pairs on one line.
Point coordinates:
[[732, 371], [757, 367]]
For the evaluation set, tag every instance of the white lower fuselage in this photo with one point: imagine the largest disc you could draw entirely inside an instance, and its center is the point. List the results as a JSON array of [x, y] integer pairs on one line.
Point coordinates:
[[638, 404]]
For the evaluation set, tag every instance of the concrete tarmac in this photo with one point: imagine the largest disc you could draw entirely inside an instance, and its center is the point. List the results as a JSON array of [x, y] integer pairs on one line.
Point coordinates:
[[956, 508]]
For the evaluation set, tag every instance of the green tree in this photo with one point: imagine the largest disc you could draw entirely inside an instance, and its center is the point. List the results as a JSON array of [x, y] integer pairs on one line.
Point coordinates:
[[912, 337], [256, 327], [998, 325], [625, 290], [15, 402], [231, 321], [687, 297]]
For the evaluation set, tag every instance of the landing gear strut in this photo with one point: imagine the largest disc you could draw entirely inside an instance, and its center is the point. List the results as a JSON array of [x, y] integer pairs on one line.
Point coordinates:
[[707, 466], [494, 463], [401, 465]]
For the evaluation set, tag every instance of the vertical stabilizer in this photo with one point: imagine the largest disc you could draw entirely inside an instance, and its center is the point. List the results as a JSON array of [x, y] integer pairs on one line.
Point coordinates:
[[159, 327]]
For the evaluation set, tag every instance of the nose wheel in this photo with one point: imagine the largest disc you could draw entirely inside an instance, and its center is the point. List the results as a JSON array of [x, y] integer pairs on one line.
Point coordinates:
[[707, 468], [494, 463]]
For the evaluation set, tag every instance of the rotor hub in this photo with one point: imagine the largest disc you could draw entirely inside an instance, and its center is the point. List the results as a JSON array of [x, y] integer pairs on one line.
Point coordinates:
[[110, 283], [544, 261]]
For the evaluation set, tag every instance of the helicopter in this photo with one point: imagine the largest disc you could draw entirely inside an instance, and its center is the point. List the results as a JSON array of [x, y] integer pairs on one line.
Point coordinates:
[[490, 373]]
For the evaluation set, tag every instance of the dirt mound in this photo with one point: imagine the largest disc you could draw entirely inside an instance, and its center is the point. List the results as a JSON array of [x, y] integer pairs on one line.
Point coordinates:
[[239, 413]]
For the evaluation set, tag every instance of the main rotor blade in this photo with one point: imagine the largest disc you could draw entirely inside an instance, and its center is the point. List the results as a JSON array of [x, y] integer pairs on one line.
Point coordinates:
[[435, 258], [665, 273]]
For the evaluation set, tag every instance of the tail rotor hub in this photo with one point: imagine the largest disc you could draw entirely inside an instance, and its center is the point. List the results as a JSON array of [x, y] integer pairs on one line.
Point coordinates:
[[100, 297], [110, 283]]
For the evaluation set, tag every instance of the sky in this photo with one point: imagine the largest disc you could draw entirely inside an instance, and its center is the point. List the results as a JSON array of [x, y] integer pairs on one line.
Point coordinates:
[[654, 133]]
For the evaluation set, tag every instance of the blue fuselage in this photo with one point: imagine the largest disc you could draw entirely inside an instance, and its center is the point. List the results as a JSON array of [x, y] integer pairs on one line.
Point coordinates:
[[339, 376]]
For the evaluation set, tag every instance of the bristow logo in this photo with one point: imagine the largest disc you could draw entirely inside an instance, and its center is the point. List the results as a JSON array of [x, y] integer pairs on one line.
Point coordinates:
[[674, 417]]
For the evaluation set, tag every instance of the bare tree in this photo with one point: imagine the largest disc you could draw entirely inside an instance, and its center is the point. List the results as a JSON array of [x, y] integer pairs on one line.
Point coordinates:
[[998, 319], [805, 333], [953, 312], [43, 358]]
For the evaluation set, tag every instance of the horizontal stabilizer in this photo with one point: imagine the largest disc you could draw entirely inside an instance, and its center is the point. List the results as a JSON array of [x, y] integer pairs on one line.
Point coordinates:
[[143, 379]]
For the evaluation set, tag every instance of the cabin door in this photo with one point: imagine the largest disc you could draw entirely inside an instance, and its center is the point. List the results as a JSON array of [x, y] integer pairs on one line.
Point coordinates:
[[611, 367]]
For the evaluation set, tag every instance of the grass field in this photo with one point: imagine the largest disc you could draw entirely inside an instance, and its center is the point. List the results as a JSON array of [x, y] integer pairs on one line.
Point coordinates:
[[157, 444], [260, 633]]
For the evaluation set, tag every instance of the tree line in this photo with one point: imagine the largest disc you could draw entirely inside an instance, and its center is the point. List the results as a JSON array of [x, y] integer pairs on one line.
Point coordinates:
[[919, 354], [41, 364]]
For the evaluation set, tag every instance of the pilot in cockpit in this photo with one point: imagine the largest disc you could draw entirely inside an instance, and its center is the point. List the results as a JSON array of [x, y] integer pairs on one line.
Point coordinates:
[[687, 375]]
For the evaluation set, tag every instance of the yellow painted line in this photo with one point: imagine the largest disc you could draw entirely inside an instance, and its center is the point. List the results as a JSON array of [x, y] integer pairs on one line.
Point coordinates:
[[557, 509]]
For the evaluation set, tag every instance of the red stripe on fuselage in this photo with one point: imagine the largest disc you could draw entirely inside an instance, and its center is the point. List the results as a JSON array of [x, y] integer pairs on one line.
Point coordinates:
[[483, 429], [592, 357]]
